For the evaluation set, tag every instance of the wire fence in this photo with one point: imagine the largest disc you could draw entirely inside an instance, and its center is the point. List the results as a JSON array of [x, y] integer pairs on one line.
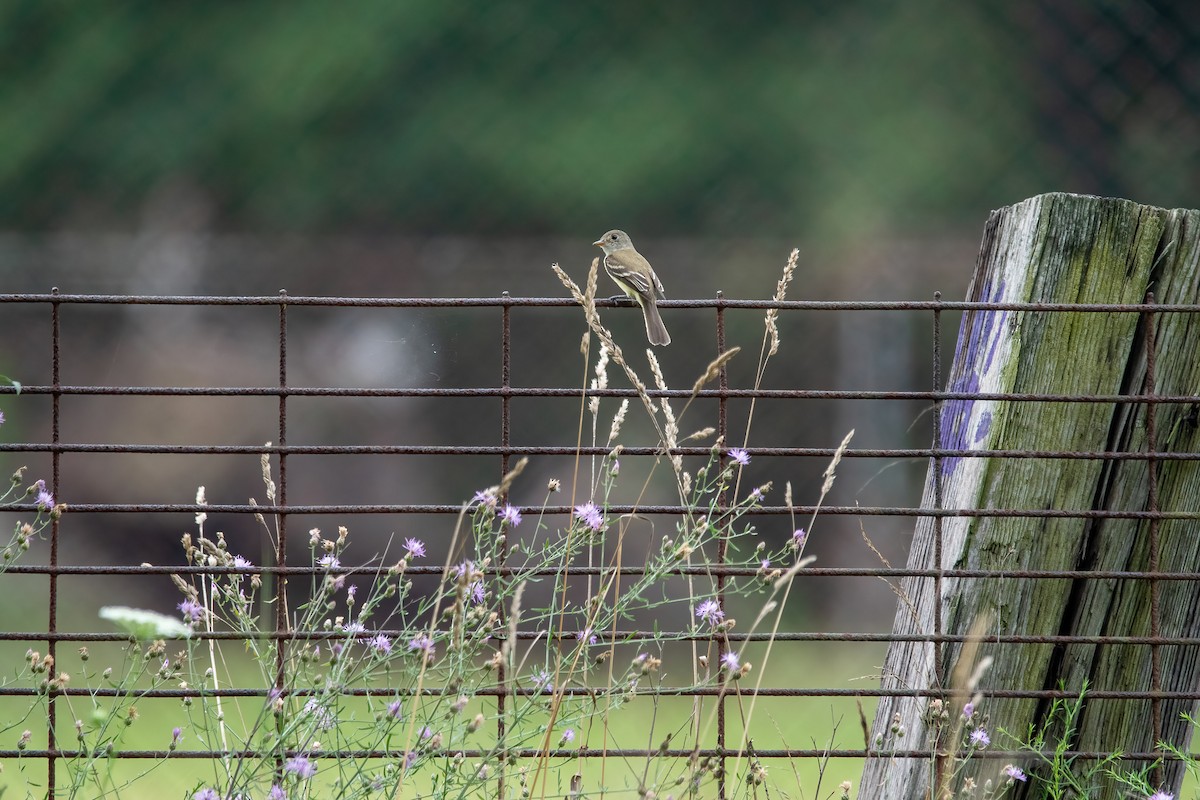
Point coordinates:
[[67, 457]]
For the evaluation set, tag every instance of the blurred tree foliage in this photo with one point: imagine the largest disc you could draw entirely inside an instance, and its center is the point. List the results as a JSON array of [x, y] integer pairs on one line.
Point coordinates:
[[519, 117]]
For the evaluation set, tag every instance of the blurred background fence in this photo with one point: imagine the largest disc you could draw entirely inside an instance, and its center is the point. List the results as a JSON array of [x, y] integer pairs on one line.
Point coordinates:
[[450, 150]]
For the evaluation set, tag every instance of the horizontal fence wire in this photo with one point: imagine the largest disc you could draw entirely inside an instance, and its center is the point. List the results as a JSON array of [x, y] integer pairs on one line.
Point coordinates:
[[725, 746]]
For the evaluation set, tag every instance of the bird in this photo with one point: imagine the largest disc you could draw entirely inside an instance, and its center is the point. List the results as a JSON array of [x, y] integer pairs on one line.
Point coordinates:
[[630, 270]]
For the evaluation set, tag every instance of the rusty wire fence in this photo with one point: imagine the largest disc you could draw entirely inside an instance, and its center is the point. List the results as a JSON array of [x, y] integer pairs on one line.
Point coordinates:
[[51, 580]]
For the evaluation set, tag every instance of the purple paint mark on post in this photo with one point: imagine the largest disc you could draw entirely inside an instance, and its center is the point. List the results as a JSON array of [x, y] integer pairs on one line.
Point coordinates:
[[978, 339]]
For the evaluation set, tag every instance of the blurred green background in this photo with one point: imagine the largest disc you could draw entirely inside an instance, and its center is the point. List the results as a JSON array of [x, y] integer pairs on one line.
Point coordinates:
[[453, 149]]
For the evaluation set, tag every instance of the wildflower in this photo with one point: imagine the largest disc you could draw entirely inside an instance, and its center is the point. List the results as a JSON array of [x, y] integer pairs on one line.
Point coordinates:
[[476, 592], [354, 627], [710, 611], [798, 538], [422, 643], [242, 563], [615, 469], [393, 709], [410, 758], [380, 644], [589, 515], [568, 736], [586, 635], [968, 710], [1, 417], [45, 500], [351, 592], [739, 456], [541, 679], [277, 793], [426, 732], [757, 494], [511, 515], [300, 766], [191, 610], [330, 562], [320, 716], [1017, 774], [485, 498], [980, 738], [176, 737], [206, 794], [1161, 796], [730, 661], [415, 548]]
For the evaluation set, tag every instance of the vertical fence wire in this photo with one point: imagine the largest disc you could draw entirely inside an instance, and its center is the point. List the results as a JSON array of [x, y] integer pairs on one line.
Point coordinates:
[[722, 542], [282, 623], [505, 444], [938, 566], [1150, 391], [56, 490]]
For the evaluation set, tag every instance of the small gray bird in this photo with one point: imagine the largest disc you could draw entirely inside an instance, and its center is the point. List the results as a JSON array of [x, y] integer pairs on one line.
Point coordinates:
[[632, 272]]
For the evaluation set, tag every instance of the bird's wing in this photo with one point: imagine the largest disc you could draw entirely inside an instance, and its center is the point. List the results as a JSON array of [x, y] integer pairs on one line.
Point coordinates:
[[630, 266]]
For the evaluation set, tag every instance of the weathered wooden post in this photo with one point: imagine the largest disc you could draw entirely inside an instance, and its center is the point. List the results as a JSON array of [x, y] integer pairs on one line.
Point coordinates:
[[1067, 249]]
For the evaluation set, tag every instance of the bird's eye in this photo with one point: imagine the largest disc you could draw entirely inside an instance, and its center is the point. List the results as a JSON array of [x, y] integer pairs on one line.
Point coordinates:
[[613, 237]]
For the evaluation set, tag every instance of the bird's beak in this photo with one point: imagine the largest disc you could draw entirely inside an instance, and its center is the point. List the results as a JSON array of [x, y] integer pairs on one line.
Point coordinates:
[[598, 243]]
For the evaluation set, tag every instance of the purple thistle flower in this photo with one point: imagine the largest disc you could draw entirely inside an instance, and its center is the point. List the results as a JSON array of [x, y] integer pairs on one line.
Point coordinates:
[[798, 537], [1018, 774], [541, 679], [1161, 796], [242, 563], [968, 710], [277, 793], [586, 635], [176, 736], [739, 456], [410, 758], [393, 709], [980, 738], [423, 643], [300, 766], [351, 592], [511, 515], [206, 794], [45, 500], [485, 498], [757, 495], [1, 417], [590, 515], [329, 562], [415, 548], [426, 732], [710, 611], [730, 661], [191, 610], [380, 644], [476, 592], [568, 735]]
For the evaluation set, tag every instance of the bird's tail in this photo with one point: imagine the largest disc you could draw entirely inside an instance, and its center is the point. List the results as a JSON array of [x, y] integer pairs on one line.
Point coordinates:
[[656, 332]]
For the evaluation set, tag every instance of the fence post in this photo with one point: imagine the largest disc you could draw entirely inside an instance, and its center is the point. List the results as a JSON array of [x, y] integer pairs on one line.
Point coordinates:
[[1058, 248]]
